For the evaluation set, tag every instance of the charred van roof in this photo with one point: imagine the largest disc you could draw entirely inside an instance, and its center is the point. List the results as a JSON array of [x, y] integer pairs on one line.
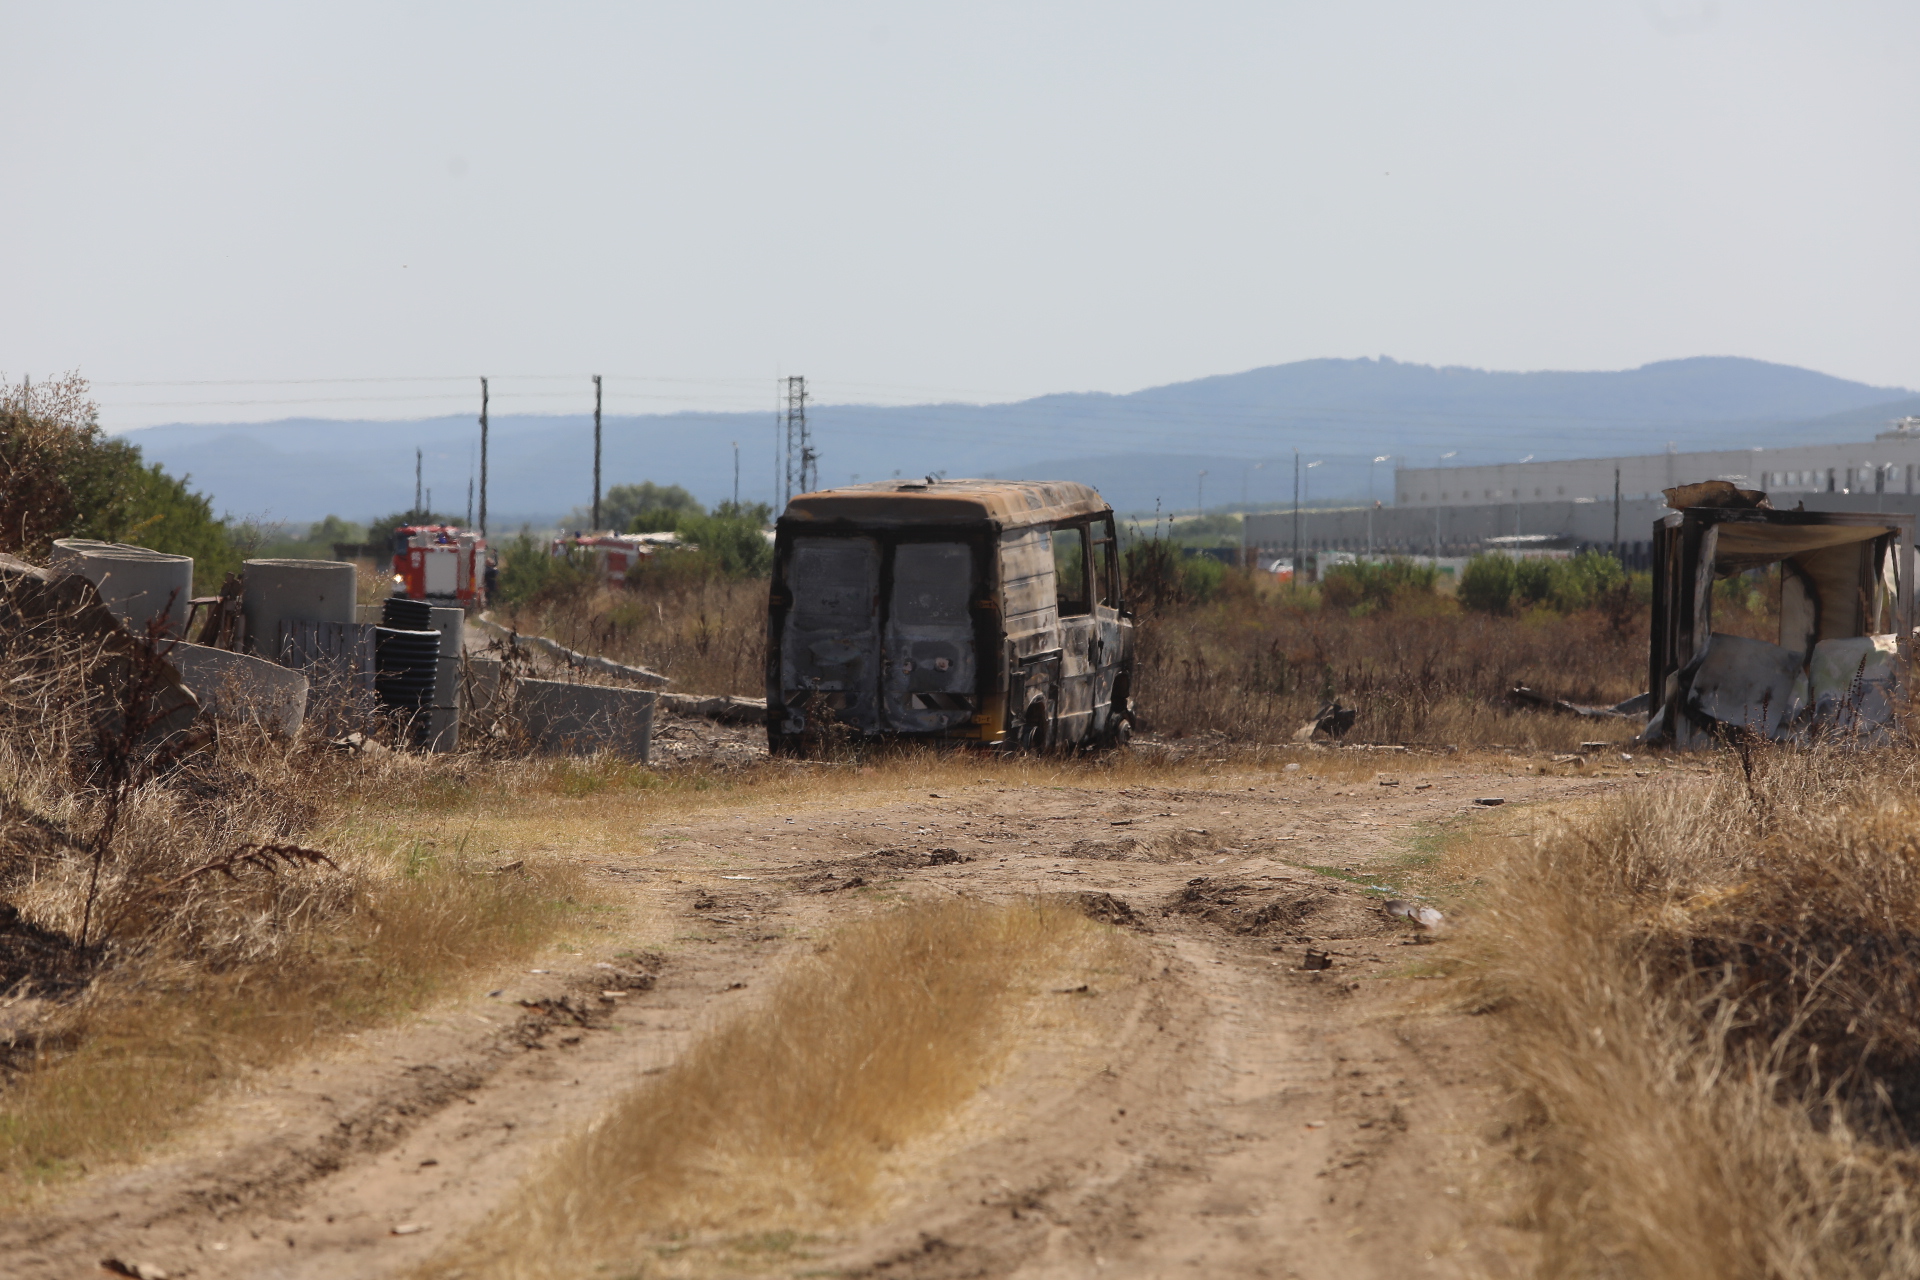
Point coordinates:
[[1005, 503]]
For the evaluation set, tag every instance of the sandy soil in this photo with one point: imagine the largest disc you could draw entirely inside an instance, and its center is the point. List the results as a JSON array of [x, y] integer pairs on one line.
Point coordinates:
[[1231, 1113]]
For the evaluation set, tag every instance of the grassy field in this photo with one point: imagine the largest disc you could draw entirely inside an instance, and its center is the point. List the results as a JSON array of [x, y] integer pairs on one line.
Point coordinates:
[[1702, 989]]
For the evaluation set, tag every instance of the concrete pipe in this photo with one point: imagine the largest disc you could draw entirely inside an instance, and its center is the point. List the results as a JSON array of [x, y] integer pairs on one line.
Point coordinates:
[[283, 591], [237, 687], [136, 584]]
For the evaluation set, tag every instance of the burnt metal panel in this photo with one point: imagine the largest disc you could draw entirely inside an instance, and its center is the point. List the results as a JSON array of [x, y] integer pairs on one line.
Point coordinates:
[[1004, 504], [1844, 574], [830, 643], [929, 641]]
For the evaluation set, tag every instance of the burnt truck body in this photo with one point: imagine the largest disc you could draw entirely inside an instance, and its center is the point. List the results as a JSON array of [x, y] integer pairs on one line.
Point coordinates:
[[1846, 620], [982, 611]]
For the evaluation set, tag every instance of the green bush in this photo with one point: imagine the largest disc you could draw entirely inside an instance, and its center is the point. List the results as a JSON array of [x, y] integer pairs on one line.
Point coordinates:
[[659, 520], [62, 477], [1498, 583], [623, 504], [732, 538], [529, 575], [1156, 572], [1201, 576], [1369, 585]]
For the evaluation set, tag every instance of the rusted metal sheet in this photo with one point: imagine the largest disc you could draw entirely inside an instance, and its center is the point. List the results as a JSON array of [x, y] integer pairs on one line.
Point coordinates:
[[1001, 503]]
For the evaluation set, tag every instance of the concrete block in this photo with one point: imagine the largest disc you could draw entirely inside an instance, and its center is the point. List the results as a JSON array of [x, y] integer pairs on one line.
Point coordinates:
[[443, 729], [238, 686], [280, 591], [446, 679], [578, 719]]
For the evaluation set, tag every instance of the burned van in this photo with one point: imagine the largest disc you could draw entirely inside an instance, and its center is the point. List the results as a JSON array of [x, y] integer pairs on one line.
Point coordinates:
[[981, 611]]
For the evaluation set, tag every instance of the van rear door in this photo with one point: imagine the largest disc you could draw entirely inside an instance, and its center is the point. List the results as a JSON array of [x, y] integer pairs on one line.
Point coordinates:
[[929, 681], [830, 641]]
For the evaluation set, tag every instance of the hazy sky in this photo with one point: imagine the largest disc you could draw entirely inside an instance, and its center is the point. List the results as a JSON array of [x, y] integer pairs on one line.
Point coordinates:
[[908, 202]]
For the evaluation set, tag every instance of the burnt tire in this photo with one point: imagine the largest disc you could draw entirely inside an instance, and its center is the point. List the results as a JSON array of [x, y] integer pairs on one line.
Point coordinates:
[[1035, 733]]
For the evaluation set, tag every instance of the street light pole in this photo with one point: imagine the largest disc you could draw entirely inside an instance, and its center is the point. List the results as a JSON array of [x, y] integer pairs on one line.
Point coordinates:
[[1296, 517]]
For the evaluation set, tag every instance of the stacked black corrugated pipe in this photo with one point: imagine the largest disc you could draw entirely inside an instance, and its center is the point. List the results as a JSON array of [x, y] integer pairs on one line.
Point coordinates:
[[405, 655]]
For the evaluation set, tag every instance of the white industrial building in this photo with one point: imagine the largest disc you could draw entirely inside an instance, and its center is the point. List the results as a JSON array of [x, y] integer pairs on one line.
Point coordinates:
[[1890, 463], [1449, 512]]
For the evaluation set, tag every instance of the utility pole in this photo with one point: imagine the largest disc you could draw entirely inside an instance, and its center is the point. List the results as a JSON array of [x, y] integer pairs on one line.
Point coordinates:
[[1200, 496], [469, 500], [417, 508], [802, 473], [483, 457], [1616, 514], [596, 453], [736, 477], [1296, 517]]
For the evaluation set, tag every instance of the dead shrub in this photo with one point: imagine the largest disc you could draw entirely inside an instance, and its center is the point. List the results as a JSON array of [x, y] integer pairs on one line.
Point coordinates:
[[1255, 661]]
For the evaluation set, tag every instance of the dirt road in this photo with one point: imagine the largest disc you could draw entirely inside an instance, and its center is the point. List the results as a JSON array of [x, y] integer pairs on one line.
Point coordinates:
[[1233, 1114]]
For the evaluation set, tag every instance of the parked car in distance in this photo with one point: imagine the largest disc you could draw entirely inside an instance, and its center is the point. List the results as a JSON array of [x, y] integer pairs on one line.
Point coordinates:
[[982, 611]]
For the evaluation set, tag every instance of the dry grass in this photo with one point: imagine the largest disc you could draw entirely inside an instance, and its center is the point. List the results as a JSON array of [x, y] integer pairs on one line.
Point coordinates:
[[1256, 661], [1251, 664], [1708, 990], [784, 1117], [168, 920], [125, 1065], [708, 634]]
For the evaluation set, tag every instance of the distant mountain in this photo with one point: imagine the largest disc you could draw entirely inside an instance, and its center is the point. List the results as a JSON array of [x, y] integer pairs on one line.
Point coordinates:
[[1139, 448]]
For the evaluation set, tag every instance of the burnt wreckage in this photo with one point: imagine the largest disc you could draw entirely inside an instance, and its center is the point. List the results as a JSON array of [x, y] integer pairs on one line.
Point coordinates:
[[1846, 620], [983, 611]]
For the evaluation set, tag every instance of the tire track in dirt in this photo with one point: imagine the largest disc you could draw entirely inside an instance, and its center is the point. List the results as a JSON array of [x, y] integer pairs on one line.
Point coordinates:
[[1246, 1117]]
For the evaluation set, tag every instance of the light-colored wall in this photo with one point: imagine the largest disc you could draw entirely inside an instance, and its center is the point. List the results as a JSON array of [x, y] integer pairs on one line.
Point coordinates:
[[1462, 529], [1874, 466]]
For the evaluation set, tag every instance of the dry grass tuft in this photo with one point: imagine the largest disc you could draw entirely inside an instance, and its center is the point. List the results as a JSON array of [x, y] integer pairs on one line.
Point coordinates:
[[1710, 993], [782, 1118], [151, 1037], [709, 634]]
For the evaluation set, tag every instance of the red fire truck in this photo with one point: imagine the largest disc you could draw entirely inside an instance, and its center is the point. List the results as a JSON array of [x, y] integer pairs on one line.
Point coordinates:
[[441, 563], [612, 555]]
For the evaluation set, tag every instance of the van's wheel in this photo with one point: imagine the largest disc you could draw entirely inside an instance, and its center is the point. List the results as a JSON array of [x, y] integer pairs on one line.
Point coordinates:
[[1118, 732], [1036, 728]]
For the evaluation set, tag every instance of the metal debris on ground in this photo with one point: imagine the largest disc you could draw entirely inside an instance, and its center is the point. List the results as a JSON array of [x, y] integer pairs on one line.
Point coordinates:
[[1413, 911], [1520, 695], [1317, 960], [1330, 721], [138, 1270]]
